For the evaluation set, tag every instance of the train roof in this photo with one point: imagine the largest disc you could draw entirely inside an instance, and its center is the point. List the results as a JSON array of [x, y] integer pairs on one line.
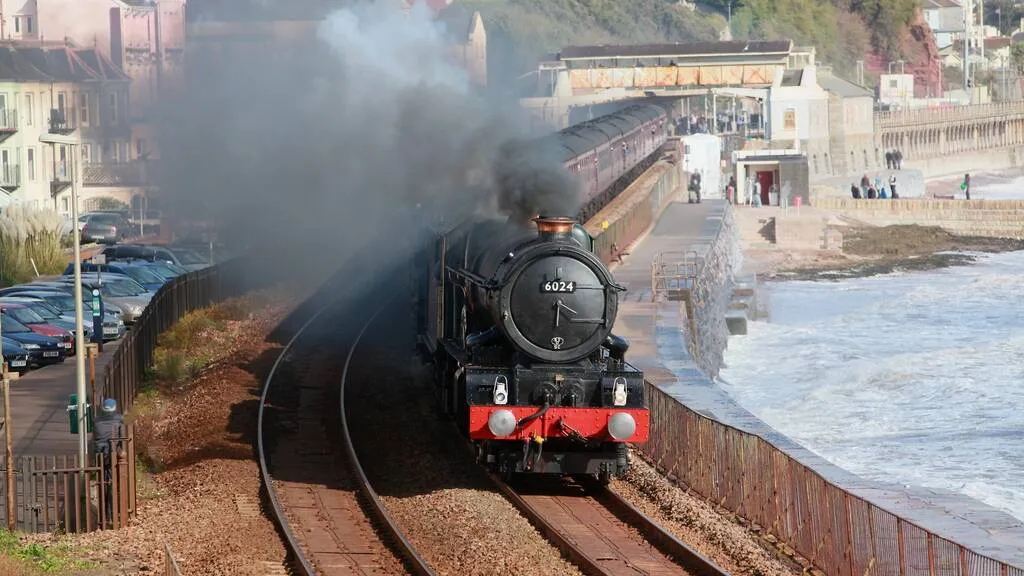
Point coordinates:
[[577, 139]]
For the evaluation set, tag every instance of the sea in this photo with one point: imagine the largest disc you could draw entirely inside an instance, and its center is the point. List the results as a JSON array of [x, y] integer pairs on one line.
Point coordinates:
[[914, 378]]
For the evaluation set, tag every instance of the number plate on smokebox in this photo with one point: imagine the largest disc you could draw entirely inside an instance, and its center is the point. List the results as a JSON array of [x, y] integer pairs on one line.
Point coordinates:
[[558, 287]]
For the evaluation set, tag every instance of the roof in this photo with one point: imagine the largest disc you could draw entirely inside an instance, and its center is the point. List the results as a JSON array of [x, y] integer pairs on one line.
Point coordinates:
[[37, 63], [843, 88], [791, 78], [993, 43], [725, 48]]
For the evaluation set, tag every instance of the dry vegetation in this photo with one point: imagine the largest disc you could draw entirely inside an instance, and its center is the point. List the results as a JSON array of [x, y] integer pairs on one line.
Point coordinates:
[[195, 422]]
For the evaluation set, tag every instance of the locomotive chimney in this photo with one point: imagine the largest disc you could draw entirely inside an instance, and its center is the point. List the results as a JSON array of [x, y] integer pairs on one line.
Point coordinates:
[[554, 227]]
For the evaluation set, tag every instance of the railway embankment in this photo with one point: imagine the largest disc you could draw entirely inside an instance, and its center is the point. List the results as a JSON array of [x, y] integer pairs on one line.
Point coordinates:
[[814, 511]]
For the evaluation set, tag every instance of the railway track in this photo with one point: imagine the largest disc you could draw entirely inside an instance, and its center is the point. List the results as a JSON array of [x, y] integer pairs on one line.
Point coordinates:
[[602, 533], [331, 519]]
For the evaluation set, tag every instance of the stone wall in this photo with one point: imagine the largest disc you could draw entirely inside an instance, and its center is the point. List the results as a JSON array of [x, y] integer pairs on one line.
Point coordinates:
[[992, 218], [718, 261]]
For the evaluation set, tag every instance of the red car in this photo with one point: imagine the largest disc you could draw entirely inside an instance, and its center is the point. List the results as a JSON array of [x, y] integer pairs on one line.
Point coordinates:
[[37, 324]]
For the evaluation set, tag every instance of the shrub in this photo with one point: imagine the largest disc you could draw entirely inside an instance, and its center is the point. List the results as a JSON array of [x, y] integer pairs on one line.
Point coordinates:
[[30, 235]]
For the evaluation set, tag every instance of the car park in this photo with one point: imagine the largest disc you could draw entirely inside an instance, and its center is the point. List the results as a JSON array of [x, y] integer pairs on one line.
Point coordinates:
[[64, 287], [49, 314], [128, 300], [153, 253], [64, 303], [148, 279], [42, 350], [35, 322]]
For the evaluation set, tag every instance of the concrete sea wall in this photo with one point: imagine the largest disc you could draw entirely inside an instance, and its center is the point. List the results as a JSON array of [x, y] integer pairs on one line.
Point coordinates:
[[991, 218]]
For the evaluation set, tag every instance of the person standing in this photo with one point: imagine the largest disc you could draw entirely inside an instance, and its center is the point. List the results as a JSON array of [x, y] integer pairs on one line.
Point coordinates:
[[107, 433], [892, 185], [967, 185]]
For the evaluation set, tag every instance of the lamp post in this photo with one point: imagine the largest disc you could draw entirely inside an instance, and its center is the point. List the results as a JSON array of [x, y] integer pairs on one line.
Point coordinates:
[[83, 433]]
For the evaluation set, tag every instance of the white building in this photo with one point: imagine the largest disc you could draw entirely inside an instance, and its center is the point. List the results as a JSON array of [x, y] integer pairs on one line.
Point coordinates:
[[798, 111]]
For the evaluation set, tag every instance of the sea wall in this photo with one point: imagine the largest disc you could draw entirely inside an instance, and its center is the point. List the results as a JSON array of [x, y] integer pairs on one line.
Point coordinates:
[[991, 218], [717, 262]]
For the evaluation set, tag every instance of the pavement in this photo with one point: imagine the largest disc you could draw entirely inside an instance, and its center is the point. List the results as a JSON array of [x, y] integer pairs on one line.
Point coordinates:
[[39, 401]]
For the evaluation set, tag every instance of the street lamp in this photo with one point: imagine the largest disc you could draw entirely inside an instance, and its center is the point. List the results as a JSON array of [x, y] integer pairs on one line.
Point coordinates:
[[79, 321]]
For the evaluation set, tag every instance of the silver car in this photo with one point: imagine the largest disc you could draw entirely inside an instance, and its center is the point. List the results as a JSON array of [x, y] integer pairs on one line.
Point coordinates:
[[117, 292]]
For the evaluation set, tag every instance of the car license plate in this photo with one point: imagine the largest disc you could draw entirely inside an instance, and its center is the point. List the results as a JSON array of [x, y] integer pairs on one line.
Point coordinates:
[[110, 330], [51, 354], [66, 345], [17, 363]]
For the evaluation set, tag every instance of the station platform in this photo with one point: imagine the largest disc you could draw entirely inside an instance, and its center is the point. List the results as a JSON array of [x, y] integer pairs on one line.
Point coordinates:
[[39, 403], [655, 331]]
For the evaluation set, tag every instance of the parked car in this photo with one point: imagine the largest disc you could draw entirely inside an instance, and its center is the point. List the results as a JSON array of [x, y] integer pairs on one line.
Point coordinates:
[[49, 314], [164, 269], [35, 322], [65, 287], [129, 301], [104, 227], [42, 350], [15, 355], [113, 325], [149, 280], [148, 252]]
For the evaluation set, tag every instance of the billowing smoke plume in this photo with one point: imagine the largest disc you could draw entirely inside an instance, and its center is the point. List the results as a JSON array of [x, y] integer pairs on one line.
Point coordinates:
[[334, 139]]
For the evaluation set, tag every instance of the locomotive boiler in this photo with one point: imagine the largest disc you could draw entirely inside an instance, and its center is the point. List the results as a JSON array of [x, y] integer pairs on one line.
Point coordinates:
[[517, 320]]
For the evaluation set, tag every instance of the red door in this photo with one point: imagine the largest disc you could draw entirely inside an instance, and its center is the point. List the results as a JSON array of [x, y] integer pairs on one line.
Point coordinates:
[[766, 178]]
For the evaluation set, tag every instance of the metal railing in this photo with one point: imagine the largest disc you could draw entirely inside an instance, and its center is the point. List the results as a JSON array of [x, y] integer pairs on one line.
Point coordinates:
[[972, 113], [123, 375]]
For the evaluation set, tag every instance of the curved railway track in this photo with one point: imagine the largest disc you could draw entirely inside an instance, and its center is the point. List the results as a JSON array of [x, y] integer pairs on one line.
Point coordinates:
[[318, 493], [333, 521]]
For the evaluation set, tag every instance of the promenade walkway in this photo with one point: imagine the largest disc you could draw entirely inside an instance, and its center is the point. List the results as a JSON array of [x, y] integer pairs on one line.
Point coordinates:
[[39, 402]]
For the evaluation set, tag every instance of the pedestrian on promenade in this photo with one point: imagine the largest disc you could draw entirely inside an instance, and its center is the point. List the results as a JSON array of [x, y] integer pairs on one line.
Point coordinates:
[[855, 191], [899, 160], [889, 162], [107, 432], [872, 193], [967, 185], [864, 184], [882, 195], [892, 185]]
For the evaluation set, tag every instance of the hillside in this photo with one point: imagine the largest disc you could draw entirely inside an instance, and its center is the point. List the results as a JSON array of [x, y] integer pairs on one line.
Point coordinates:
[[843, 31]]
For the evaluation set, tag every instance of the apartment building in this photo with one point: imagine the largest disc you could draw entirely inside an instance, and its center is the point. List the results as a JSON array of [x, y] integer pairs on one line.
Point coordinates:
[[63, 90]]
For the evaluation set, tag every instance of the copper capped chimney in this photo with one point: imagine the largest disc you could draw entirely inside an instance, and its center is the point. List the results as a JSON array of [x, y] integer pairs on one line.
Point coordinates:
[[551, 227]]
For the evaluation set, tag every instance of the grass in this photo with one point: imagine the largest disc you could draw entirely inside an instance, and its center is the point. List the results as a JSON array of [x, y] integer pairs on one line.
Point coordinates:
[[30, 559]]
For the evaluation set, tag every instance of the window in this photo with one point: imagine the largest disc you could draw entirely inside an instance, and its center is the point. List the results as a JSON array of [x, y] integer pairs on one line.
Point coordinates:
[[67, 205], [113, 108], [86, 153], [31, 163], [29, 109], [139, 146], [84, 99], [17, 24], [28, 24]]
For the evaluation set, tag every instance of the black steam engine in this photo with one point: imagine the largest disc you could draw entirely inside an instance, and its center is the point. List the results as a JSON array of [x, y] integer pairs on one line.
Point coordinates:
[[517, 321]]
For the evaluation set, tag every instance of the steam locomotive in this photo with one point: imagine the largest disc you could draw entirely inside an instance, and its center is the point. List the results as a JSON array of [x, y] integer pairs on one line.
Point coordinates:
[[516, 320], [602, 151]]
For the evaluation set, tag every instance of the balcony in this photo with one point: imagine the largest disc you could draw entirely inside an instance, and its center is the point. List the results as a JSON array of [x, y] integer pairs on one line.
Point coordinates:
[[115, 174], [8, 123], [10, 176], [61, 178], [61, 122]]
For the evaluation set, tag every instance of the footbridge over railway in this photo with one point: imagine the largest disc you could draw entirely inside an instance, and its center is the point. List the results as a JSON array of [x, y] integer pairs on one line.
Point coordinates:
[[589, 75]]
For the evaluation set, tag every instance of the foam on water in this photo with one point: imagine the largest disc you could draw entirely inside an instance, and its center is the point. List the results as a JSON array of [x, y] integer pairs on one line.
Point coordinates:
[[913, 378]]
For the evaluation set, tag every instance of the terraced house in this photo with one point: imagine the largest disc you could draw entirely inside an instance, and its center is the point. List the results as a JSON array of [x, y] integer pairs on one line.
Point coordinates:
[[64, 90]]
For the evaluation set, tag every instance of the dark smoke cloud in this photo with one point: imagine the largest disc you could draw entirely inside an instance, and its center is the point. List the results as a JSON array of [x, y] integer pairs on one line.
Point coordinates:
[[336, 139]]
